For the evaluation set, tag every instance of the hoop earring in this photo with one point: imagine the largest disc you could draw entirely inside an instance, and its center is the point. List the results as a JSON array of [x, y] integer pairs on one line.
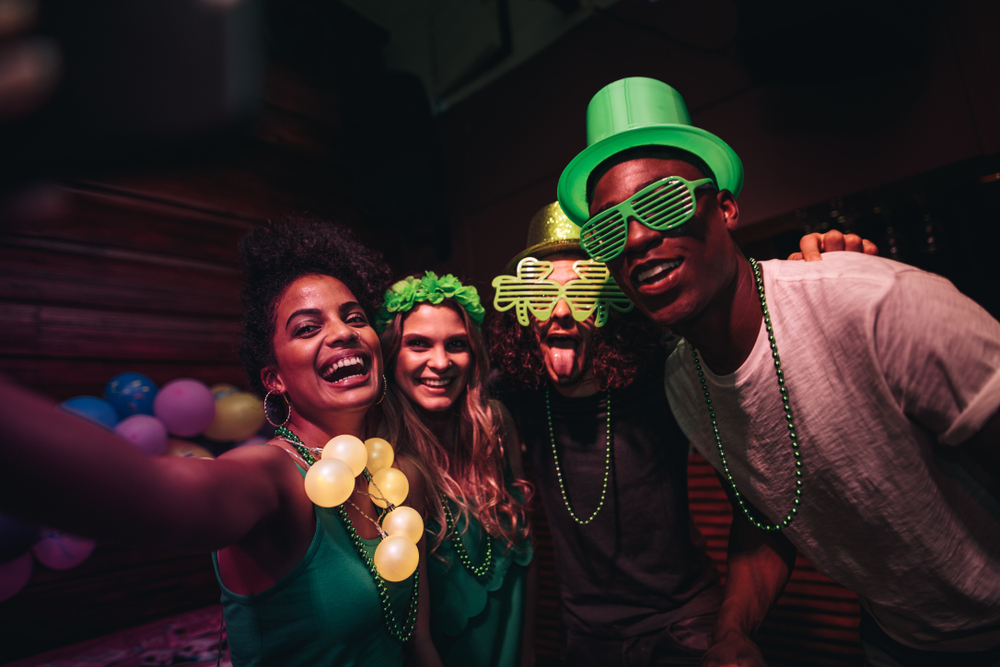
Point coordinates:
[[385, 387], [267, 411]]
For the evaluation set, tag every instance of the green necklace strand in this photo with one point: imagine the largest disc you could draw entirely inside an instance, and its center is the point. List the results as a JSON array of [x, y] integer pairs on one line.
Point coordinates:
[[788, 418], [400, 633], [480, 571], [555, 457]]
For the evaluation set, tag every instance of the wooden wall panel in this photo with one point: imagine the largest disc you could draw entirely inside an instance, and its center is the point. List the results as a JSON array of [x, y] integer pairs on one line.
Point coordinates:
[[68, 333], [40, 275], [92, 217]]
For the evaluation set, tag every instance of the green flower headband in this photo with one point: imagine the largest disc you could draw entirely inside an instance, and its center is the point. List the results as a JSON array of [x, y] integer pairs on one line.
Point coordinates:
[[407, 293]]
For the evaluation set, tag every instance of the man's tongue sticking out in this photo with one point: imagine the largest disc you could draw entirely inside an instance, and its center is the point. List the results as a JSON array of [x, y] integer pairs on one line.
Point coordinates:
[[562, 358]]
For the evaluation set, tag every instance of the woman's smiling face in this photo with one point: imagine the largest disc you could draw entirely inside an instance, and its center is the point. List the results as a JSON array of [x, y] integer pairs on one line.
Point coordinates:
[[434, 359], [327, 355]]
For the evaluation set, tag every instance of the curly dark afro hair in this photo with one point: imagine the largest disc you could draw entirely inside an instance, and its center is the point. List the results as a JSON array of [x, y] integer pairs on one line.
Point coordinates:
[[279, 252], [626, 348]]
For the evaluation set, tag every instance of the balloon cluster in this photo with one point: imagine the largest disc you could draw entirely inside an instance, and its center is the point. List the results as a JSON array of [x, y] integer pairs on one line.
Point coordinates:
[[153, 419], [330, 482], [21, 544]]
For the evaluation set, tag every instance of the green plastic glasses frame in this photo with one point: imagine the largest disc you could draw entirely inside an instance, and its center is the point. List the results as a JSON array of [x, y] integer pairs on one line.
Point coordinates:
[[666, 204]]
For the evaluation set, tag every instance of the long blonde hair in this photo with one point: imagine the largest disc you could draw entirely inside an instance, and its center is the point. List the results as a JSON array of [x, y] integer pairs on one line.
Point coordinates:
[[468, 470]]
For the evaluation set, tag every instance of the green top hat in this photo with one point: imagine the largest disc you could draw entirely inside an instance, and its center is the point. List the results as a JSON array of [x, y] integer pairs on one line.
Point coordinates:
[[641, 112], [550, 232]]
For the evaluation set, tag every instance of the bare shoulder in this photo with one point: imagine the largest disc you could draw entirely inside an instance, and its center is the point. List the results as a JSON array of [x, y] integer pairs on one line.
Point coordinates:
[[271, 461], [269, 455]]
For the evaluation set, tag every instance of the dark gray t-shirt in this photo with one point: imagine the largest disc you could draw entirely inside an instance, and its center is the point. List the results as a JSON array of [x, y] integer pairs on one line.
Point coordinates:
[[640, 564]]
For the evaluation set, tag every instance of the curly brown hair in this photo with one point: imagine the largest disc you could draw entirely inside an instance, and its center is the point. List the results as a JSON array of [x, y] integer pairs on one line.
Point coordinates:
[[277, 253], [626, 348]]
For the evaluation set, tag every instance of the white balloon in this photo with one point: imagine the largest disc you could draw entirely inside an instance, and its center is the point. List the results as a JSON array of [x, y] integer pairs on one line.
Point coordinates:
[[348, 449], [404, 521], [396, 558], [329, 482], [390, 484]]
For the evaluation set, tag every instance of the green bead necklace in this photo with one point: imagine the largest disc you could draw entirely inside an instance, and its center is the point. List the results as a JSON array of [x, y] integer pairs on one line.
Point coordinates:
[[788, 418], [403, 633], [308, 455], [480, 571], [555, 457], [400, 633]]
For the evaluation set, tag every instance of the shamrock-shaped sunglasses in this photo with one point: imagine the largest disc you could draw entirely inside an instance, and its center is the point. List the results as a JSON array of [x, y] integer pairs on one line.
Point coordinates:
[[593, 293], [666, 204]]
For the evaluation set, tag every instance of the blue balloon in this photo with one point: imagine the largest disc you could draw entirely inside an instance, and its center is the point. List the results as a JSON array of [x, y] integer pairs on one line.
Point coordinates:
[[92, 408], [131, 394], [16, 537]]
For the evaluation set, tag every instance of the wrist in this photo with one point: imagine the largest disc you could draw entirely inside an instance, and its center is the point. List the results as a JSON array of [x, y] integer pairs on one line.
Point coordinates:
[[731, 622]]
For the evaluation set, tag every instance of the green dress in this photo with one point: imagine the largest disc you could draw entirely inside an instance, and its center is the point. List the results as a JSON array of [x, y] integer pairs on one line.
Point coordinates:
[[324, 612], [478, 622]]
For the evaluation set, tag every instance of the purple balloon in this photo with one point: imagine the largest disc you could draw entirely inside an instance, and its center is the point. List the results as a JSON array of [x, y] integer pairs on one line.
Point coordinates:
[[59, 550], [14, 575], [186, 407], [145, 433]]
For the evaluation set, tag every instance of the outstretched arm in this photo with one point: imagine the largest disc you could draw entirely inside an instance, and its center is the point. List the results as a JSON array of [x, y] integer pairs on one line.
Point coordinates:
[[812, 245], [759, 564], [58, 469]]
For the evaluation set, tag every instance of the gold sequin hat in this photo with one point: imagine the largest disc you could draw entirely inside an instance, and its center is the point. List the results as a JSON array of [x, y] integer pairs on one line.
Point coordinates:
[[550, 232]]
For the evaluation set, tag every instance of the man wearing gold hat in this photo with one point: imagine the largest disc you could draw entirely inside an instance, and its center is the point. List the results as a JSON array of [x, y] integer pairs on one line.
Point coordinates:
[[831, 397], [636, 586]]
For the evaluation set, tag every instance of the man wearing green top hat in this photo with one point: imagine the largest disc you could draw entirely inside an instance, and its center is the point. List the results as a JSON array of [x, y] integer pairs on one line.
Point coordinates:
[[583, 373], [830, 396]]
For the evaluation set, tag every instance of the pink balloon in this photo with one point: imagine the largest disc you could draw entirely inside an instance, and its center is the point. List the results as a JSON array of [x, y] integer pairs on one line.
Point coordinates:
[[59, 550], [144, 432], [185, 406], [14, 575], [253, 440]]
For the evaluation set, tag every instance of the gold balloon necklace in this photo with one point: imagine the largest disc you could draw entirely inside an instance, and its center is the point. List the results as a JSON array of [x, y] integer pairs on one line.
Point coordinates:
[[329, 483]]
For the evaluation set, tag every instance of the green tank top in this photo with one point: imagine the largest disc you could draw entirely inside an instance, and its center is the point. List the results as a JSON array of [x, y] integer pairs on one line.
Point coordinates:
[[478, 622], [324, 612]]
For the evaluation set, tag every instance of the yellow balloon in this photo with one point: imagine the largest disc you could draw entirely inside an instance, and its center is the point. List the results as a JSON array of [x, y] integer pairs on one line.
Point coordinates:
[[329, 482], [237, 417], [390, 484], [404, 521], [348, 449], [186, 450], [396, 558], [380, 454]]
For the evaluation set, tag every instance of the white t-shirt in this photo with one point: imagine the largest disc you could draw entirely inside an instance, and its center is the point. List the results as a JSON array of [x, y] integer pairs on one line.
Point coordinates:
[[882, 362]]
